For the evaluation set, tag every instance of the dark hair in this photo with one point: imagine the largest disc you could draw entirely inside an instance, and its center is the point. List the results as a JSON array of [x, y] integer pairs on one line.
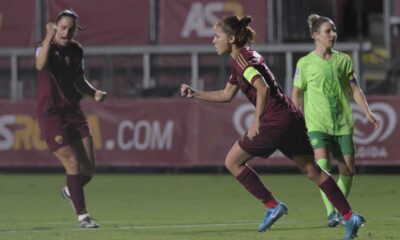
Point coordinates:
[[238, 27], [70, 13], [315, 21]]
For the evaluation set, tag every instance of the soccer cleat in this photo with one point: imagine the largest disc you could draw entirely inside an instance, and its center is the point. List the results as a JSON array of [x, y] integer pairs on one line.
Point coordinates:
[[352, 225], [88, 222], [272, 215], [66, 196], [333, 219]]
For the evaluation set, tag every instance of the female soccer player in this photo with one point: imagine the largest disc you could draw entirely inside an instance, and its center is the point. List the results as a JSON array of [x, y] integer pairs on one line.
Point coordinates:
[[61, 85], [277, 124], [326, 79]]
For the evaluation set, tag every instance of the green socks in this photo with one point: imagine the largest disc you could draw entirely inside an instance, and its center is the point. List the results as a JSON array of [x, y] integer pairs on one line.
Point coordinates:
[[344, 183]]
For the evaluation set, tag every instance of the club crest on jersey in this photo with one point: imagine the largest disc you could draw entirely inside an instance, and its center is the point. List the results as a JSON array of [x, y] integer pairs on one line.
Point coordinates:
[[59, 139]]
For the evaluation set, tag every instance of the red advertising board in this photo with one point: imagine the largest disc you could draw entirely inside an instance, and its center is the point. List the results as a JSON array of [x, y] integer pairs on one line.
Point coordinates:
[[191, 22], [396, 8], [122, 22], [17, 23], [177, 133]]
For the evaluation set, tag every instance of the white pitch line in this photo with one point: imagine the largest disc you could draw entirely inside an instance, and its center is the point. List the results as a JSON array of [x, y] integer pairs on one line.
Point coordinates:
[[184, 226], [215, 225]]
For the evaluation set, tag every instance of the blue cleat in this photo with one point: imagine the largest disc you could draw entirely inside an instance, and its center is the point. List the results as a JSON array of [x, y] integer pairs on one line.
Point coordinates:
[[352, 225], [341, 220], [333, 219], [272, 215]]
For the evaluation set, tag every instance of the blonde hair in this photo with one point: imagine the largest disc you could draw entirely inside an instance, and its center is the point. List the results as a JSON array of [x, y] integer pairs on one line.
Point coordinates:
[[315, 21]]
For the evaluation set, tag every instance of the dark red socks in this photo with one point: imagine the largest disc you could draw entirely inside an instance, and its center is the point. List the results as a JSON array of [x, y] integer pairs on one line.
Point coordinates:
[[75, 188], [250, 180], [332, 191]]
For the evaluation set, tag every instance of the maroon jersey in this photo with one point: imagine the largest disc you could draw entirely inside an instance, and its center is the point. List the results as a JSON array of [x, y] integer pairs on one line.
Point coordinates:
[[279, 110], [56, 82]]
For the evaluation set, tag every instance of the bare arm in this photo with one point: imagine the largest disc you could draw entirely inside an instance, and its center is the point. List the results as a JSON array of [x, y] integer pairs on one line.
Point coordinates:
[[225, 95], [297, 97], [43, 53], [83, 85], [85, 88], [262, 99], [361, 101]]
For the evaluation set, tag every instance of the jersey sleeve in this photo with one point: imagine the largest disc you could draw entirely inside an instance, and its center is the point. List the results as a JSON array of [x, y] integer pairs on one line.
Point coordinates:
[[233, 77], [232, 80], [37, 50], [349, 69], [79, 71], [299, 79]]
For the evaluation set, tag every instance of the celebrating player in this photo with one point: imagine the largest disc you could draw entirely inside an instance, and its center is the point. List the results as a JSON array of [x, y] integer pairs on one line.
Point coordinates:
[[325, 80], [61, 84], [277, 124]]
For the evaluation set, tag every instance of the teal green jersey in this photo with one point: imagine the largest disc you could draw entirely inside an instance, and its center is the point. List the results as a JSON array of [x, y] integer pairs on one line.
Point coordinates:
[[327, 91]]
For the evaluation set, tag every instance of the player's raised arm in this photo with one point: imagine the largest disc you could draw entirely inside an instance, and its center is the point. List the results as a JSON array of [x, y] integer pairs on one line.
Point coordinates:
[[63, 125], [42, 52]]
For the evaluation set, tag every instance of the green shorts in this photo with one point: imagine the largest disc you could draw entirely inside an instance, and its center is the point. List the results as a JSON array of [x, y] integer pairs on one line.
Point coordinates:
[[337, 145]]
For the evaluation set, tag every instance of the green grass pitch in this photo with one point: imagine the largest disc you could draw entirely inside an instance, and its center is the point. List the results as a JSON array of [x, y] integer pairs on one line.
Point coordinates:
[[188, 207]]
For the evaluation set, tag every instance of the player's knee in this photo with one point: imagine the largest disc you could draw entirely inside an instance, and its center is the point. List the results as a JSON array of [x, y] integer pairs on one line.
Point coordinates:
[[347, 171], [89, 163], [71, 166], [312, 172], [89, 169], [228, 165], [351, 172], [231, 166], [310, 175]]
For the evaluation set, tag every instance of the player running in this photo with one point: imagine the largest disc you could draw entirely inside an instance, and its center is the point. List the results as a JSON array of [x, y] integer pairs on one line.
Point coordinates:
[[277, 125]]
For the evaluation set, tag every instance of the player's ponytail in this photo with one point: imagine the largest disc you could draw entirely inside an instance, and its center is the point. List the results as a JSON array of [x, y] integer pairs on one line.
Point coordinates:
[[239, 27], [315, 21]]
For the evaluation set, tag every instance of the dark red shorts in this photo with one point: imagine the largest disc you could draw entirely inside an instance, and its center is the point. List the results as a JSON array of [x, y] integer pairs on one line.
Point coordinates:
[[61, 129], [291, 140]]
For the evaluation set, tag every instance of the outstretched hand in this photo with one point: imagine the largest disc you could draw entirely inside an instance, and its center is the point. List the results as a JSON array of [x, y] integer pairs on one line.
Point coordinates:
[[99, 96], [187, 91]]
